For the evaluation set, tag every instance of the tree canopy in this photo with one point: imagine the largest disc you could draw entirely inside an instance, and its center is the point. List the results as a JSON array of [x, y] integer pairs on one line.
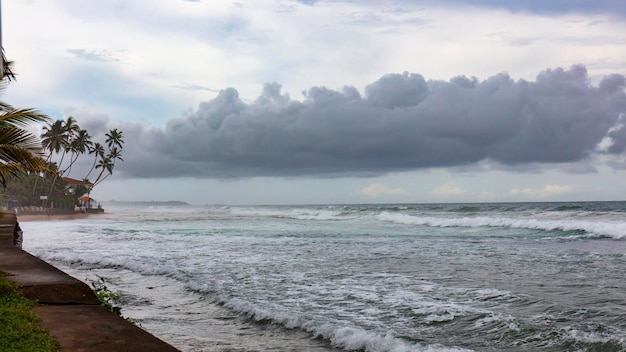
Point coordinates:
[[34, 167]]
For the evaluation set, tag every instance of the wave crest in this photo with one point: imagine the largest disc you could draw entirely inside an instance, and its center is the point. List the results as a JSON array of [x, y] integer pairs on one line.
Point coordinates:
[[606, 229]]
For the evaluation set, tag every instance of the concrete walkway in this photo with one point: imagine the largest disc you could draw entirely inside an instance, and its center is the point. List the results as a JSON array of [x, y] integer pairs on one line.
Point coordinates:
[[69, 308]]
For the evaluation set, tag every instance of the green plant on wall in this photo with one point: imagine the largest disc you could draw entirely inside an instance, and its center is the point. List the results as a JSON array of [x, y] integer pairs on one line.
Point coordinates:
[[108, 299]]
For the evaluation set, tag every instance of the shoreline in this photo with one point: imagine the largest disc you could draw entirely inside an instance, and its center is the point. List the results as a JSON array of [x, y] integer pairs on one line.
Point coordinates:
[[68, 308], [45, 217]]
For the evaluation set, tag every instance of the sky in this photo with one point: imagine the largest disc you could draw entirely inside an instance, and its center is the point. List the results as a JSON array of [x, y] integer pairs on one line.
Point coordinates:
[[317, 102]]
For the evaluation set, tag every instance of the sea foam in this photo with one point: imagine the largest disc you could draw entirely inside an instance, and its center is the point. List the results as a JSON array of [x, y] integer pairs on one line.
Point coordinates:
[[612, 229]]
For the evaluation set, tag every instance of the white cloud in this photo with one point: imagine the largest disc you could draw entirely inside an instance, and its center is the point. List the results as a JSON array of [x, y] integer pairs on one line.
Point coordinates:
[[219, 44], [449, 189], [546, 191], [380, 190]]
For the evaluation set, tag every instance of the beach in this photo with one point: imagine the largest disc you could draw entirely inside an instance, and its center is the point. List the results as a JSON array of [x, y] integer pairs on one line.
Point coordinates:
[[387, 277], [43, 217]]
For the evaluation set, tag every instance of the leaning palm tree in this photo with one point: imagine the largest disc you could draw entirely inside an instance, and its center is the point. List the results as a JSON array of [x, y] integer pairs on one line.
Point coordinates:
[[115, 154], [114, 138], [106, 164], [80, 144], [54, 138], [98, 150], [20, 150]]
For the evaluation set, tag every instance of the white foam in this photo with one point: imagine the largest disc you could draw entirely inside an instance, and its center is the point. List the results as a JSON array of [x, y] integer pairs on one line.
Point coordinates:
[[613, 229], [594, 338], [299, 213], [347, 337]]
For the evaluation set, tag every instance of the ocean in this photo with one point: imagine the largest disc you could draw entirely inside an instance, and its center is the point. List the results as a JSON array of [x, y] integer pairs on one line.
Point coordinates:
[[386, 277]]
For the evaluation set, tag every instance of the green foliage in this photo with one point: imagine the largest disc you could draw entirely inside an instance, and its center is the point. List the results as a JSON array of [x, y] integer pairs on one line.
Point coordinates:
[[20, 150], [65, 143], [19, 326], [108, 299], [26, 189], [68, 141]]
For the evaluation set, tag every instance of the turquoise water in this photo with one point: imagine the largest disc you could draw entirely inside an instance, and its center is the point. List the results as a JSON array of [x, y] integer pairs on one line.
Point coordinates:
[[404, 277]]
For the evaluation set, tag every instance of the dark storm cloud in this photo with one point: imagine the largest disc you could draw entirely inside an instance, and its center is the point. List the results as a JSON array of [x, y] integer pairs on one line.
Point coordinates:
[[402, 122]]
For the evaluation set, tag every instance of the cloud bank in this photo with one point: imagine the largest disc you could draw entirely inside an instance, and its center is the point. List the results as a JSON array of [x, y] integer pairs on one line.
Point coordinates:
[[546, 191], [401, 122]]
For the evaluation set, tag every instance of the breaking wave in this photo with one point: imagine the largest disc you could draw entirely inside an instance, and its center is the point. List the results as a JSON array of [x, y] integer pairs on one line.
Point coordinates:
[[608, 229]]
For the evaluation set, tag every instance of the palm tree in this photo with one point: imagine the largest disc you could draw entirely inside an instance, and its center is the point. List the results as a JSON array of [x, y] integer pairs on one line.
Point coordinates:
[[114, 138], [65, 137], [115, 154], [68, 133], [98, 150], [54, 138], [106, 164], [20, 150], [114, 141], [70, 129], [78, 145], [71, 126]]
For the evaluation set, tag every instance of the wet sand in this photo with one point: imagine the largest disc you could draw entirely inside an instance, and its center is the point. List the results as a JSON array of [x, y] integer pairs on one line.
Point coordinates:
[[43, 217]]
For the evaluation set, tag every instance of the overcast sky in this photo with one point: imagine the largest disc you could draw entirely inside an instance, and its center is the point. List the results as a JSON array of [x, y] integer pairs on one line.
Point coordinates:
[[283, 102]]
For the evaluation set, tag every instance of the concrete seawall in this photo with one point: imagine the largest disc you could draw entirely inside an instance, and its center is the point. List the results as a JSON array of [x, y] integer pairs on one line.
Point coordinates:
[[68, 307]]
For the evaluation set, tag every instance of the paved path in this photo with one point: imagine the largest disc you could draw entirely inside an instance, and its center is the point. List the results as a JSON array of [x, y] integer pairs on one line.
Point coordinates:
[[69, 308]]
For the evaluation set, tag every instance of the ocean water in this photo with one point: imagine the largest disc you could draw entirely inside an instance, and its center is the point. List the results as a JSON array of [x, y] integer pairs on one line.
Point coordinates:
[[402, 277]]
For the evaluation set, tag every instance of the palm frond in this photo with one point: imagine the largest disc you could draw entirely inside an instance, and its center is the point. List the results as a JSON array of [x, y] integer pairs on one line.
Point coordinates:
[[21, 117], [7, 72]]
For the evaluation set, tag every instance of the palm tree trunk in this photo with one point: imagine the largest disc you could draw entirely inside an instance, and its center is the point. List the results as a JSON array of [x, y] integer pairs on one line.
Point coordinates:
[[54, 180]]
